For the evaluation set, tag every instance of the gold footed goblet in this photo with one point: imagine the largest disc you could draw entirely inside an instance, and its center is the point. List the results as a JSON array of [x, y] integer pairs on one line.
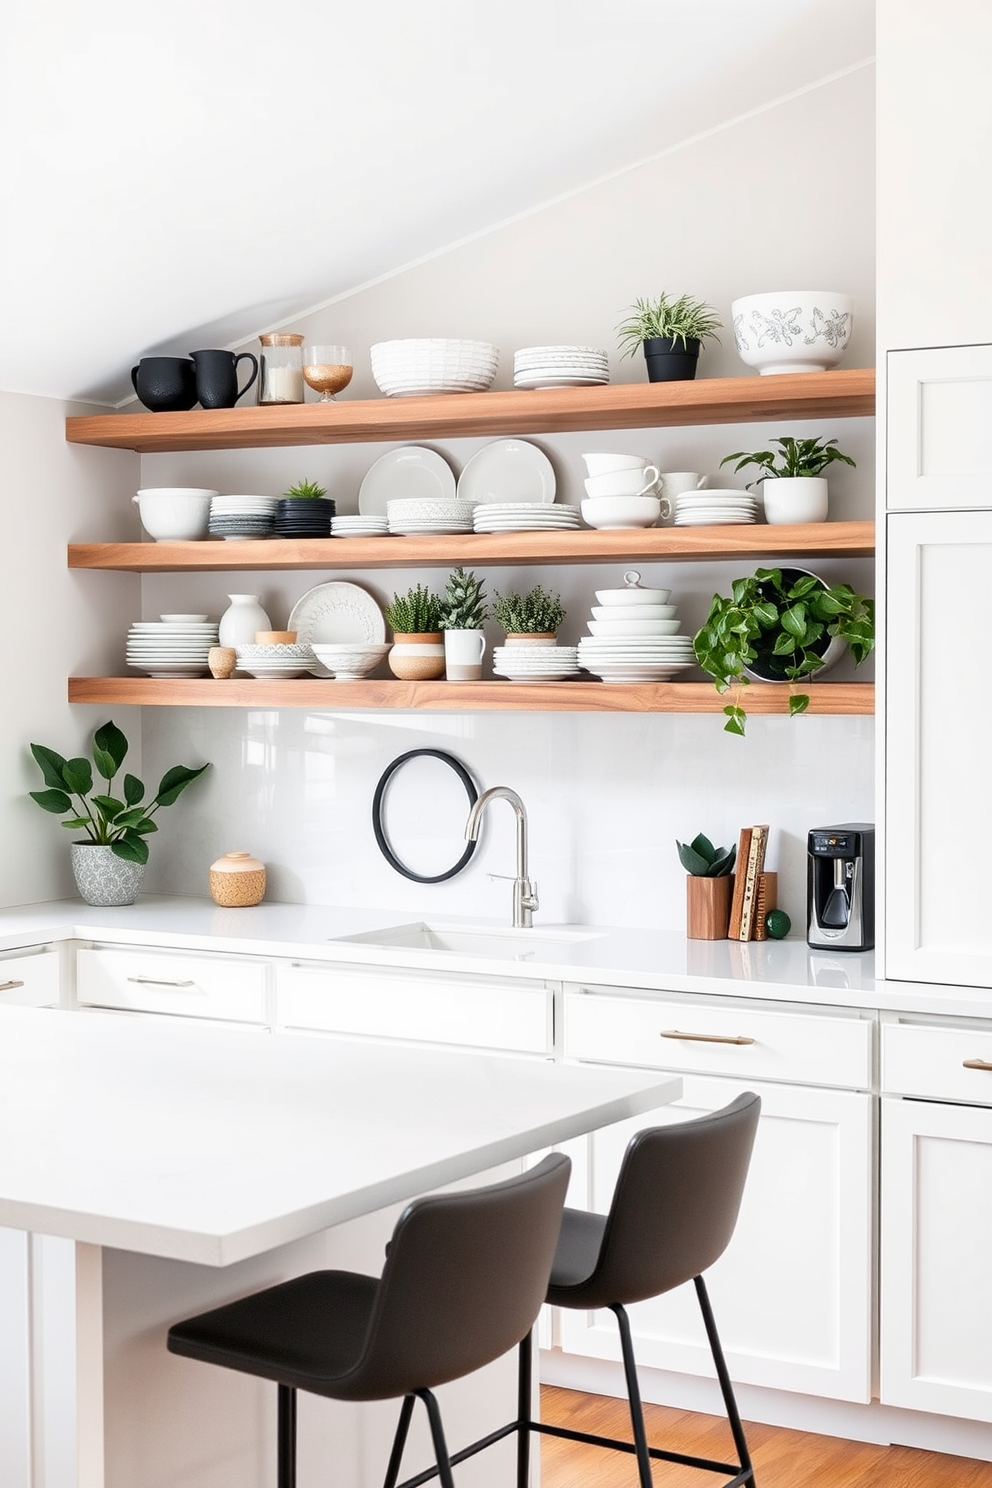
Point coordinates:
[[327, 369]]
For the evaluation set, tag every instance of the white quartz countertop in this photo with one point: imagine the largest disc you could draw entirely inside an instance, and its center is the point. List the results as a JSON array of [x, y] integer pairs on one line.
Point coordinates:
[[210, 1145], [645, 959]]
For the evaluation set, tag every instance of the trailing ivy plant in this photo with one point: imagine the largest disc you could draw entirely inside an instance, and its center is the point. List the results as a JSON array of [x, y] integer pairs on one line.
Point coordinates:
[[794, 457], [683, 319], [788, 621], [533, 613], [701, 859]]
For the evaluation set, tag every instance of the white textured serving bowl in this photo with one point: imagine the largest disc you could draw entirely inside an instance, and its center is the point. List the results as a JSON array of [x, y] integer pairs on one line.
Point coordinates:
[[792, 330], [174, 513], [346, 662], [419, 365]]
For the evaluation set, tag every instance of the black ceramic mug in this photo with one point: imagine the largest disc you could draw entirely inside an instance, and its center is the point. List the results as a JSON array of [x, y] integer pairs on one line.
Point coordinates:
[[165, 384], [217, 377]]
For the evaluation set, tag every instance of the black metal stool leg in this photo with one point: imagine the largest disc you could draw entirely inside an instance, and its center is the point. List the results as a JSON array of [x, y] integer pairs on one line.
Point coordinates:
[[399, 1442], [634, 1397], [723, 1375], [286, 1438], [525, 1384], [437, 1437]]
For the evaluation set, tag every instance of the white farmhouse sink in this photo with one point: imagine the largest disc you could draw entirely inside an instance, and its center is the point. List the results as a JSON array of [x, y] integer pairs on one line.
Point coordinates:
[[467, 940]]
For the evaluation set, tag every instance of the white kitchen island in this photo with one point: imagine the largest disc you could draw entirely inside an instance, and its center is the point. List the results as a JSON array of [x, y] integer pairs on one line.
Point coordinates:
[[150, 1169]]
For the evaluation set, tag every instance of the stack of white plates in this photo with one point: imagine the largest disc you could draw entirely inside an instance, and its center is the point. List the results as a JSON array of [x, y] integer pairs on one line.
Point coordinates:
[[639, 659], [275, 661], [524, 516], [408, 518], [536, 663], [240, 517], [559, 366], [417, 366], [359, 526], [175, 648], [715, 508]]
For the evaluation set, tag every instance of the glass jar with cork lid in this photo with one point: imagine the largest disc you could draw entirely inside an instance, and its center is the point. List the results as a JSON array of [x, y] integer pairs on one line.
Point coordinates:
[[280, 378]]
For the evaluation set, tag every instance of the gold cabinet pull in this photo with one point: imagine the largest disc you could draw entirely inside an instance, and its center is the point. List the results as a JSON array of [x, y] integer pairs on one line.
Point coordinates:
[[707, 1038], [159, 982], [985, 1064], [9, 986]]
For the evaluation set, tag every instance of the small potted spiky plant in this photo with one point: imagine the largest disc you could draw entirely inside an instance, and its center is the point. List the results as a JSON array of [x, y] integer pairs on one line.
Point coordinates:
[[417, 654], [709, 887], [671, 331], [463, 611], [304, 510]]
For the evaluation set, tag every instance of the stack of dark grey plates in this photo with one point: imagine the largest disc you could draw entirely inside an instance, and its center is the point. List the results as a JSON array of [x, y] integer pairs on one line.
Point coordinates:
[[303, 516]]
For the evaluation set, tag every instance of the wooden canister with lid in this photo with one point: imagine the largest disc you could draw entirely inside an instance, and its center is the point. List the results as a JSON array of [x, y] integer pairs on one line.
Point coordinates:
[[237, 880]]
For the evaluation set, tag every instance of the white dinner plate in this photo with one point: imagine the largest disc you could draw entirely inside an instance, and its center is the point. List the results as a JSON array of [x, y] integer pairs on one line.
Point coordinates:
[[412, 471], [335, 614], [508, 470]]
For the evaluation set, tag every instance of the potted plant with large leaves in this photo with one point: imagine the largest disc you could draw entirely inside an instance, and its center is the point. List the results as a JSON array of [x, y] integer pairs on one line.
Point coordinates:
[[780, 625], [793, 485], [109, 862], [671, 331]]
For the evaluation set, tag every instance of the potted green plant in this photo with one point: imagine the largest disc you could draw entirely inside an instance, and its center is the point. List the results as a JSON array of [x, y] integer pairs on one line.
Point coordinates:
[[709, 888], [529, 619], [463, 612], [793, 486], [417, 653], [304, 510], [780, 625], [108, 864], [671, 332]]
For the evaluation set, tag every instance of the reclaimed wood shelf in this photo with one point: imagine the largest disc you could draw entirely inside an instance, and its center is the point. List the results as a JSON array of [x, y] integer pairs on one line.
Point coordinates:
[[710, 400], [645, 544], [439, 697]]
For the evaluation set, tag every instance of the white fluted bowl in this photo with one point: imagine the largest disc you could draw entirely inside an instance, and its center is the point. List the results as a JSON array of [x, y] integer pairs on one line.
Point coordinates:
[[793, 330]]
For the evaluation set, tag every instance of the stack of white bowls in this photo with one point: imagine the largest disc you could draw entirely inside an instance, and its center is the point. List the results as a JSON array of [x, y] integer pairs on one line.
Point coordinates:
[[560, 366], [412, 517], [358, 526], [415, 366], [238, 518], [634, 635], [173, 646], [622, 491]]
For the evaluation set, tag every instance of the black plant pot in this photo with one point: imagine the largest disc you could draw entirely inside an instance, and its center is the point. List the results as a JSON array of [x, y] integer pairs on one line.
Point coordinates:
[[668, 360]]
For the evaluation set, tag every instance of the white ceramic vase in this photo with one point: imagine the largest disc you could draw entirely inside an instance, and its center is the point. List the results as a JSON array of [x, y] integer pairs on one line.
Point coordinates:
[[239, 622], [799, 498]]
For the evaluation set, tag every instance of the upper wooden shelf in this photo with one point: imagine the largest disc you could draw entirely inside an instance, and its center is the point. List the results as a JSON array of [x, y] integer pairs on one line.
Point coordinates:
[[712, 400], [645, 545]]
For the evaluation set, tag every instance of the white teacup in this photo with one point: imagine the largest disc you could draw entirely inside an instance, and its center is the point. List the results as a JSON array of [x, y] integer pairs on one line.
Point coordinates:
[[606, 464], [641, 482], [463, 653], [676, 482]]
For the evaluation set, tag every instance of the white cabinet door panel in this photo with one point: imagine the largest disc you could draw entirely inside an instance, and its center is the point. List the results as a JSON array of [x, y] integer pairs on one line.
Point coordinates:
[[936, 1233], [792, 1294], [15, 1360], [939, 720], [153, 981], [939, 414], [30, 979]]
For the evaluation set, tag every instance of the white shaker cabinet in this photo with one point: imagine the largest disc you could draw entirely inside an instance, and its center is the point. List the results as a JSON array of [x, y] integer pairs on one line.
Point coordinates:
[[936, 1219], [792, 1294], [30, 978], [939, 411]]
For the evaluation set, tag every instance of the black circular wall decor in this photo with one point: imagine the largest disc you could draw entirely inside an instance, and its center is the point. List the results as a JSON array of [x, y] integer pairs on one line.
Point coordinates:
[[388, 848]]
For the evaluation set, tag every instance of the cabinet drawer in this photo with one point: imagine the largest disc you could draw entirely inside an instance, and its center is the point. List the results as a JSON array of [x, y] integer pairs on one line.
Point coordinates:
[[398, 1004], [161, 982], [729, 1039], [937, 1063], [30, 979]]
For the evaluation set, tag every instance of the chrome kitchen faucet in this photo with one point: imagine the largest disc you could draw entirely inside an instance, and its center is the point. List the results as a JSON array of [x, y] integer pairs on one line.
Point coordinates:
[[525, 899]]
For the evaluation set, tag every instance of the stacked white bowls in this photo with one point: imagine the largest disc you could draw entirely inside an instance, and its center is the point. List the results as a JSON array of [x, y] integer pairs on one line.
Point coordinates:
[[621, 491], [634, 635], [416, 366]]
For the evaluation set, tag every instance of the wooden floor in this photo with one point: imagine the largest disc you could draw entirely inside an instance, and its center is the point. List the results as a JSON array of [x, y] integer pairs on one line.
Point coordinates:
[[782, 1459]]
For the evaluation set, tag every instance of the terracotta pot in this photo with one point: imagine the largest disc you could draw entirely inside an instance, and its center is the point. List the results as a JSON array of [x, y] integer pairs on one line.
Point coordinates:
[[417, 656], [532, 638], [707, 907]]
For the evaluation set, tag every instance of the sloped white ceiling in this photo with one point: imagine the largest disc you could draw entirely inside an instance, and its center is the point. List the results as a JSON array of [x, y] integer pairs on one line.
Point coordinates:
[[183, 175]]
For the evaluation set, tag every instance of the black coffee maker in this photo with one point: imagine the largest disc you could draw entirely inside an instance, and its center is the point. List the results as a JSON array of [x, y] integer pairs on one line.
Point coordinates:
[[840, 890]]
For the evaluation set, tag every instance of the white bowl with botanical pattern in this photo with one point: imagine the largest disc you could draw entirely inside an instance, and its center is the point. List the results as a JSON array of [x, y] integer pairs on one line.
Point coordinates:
[[793, 330]]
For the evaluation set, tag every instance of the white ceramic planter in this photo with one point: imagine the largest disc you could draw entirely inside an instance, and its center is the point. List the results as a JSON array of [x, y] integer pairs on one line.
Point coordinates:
[[103, 878], [801, 498], [417, 656]]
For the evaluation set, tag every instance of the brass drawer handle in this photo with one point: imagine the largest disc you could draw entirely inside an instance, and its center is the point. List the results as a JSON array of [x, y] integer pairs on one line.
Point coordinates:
[[159, 982], [985, 1064], [9, 986], [707, 1038]]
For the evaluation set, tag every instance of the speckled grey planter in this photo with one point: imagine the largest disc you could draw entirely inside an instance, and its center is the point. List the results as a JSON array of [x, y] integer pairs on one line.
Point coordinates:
[[102, 878]]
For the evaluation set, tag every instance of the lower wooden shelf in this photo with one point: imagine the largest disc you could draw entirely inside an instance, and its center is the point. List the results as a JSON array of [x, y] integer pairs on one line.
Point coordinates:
[[462, 697]]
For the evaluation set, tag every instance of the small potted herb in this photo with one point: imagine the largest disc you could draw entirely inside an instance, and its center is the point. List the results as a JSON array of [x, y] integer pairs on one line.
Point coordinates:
[[417, 654], [709, 889], [463, 612], [794, 488], [671, 332], [304, 510], [781, 625], [109, 862], [529, 619]]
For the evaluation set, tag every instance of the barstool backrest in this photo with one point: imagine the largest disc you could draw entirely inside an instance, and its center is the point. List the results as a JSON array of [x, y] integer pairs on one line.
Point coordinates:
[[465, 1277]]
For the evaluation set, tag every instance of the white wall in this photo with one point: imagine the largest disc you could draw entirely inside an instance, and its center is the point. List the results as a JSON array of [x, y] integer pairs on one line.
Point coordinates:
[[607, 794], [56, 622]]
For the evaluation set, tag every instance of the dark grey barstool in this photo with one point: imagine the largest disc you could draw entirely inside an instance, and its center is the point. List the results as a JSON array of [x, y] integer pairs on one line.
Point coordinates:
[[464, 1279], [673, 1213]]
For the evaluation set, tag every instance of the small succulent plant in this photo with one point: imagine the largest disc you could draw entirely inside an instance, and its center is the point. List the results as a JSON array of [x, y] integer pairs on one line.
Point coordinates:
[[702, 860], [306, 490], [463, 606]]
